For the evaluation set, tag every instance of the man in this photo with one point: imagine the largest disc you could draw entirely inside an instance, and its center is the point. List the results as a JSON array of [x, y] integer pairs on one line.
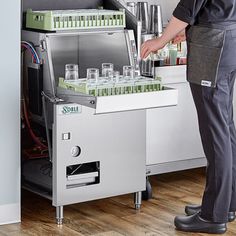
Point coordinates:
[[211, 71]]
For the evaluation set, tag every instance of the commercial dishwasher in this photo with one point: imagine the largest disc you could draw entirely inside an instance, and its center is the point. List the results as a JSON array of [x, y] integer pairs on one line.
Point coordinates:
[[97, 144]]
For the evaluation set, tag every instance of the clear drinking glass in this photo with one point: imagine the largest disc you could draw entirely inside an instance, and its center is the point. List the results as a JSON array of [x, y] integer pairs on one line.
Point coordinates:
[[116, 76], [71, 72], [107, 69], [93, 74], [128, 72]]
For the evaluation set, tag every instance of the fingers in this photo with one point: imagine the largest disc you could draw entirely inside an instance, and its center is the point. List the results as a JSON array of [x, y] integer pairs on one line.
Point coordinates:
[[145, 50], [146, 54]]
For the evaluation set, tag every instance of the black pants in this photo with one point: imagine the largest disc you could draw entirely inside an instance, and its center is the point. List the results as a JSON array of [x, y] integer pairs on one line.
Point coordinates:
[[215, 116], [218, 134]]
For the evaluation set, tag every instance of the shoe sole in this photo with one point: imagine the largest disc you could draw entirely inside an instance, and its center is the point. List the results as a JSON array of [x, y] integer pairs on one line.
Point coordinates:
[[208, 231]]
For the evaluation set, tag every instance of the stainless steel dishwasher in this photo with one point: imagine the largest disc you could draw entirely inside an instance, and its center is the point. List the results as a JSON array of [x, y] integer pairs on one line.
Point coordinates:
[[97, 144]]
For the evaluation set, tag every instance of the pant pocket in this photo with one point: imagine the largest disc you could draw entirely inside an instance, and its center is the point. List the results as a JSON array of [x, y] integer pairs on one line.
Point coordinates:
[[203, 63]]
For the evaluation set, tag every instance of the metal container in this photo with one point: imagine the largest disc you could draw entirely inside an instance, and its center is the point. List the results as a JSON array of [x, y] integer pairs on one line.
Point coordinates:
[[156, 22], [131, 6], [159, 21], [142, 15], [154, 19]]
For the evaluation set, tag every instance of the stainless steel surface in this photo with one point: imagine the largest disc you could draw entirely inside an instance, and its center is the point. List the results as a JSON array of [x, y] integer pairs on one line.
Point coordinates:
[[88, 49], [156, 24], [171, 166], [179, 123], [98, 136], [138, 200], [71, 96], [47, 127], [153, 19], [139, 39], [51, 66], [115, 142], [126, 102], [159, 21], [142, 15], [59, 215]]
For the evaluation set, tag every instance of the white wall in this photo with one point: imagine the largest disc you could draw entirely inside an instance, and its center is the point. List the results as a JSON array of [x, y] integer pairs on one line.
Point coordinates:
[[167, 6], [10, 112]]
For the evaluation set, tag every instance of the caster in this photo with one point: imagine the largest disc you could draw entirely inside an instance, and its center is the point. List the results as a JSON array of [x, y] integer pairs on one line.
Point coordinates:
[[147, 194]]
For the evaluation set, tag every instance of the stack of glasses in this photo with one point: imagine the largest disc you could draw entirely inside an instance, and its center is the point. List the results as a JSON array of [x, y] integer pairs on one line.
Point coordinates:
[[111, 82]]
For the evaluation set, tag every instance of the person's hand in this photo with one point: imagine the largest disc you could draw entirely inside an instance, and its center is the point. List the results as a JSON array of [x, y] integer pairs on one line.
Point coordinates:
[[179, 38], [150, 46]]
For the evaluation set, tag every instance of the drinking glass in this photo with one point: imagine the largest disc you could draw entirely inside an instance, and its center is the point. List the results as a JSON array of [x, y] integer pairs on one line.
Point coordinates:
[[116, 76], [128, 71], [93, 74], [71, 72], [107, 70]]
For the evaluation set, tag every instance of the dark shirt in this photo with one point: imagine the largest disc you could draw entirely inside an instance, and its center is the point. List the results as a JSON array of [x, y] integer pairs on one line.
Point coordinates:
[[206, 11]]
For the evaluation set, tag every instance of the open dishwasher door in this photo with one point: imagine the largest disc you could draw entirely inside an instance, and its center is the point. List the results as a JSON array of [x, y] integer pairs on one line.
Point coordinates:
[[127, 102]]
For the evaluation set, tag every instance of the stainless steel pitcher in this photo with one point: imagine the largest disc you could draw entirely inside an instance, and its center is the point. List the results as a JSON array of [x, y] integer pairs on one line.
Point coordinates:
[[156, 23], [142, 15], [131, 6]]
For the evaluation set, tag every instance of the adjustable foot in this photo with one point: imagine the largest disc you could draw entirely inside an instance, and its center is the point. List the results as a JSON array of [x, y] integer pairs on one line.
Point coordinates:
[[138, 200], [59, 215]]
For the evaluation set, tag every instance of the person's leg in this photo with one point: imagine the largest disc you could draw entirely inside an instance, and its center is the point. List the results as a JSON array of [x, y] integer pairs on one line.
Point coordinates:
[[233, 143], [213, 115]]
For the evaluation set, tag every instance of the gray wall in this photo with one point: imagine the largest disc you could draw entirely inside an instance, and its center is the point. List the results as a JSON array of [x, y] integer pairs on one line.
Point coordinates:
[[10, 108]]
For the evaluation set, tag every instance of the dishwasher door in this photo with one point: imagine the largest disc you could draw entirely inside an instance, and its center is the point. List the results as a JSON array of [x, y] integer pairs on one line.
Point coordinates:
[[127, 102]]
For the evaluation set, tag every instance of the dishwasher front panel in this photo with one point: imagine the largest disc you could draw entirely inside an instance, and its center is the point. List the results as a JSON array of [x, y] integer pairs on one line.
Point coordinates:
[[112, 146]]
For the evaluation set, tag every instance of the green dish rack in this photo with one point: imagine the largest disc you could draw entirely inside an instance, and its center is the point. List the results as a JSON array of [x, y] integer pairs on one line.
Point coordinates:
[[138, 85], [75, 19]]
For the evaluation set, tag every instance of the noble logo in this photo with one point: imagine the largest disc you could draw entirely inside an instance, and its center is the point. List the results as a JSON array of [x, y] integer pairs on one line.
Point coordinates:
[[206, 83], [66, 110]]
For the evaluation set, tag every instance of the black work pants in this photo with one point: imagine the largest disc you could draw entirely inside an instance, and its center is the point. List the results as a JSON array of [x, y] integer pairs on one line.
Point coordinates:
[[215, 116]]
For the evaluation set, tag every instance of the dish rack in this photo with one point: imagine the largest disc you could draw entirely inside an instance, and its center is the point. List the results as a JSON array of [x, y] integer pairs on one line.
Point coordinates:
[[109, 88], [75, 19]]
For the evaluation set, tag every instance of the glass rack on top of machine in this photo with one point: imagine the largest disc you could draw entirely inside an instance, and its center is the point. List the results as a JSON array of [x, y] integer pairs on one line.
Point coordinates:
[[109, 83], [55, 20]]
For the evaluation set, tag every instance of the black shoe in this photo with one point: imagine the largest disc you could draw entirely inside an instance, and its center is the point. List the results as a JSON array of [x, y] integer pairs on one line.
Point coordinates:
[[195, 223], [193, 209]]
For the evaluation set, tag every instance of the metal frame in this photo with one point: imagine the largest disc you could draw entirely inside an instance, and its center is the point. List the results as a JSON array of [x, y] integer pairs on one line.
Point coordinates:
[[167, 167]]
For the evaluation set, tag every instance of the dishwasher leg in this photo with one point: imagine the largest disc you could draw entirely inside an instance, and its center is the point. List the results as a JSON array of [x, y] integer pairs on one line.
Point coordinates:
[[147, 194], [59, 215], [138, 200]]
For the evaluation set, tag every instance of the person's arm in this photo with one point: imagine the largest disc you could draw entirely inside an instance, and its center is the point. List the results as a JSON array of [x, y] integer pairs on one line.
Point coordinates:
[[174, 27], [184, 14]]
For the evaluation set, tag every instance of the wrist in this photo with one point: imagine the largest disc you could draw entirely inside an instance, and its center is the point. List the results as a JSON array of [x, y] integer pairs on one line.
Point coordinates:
[[162, 42]]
